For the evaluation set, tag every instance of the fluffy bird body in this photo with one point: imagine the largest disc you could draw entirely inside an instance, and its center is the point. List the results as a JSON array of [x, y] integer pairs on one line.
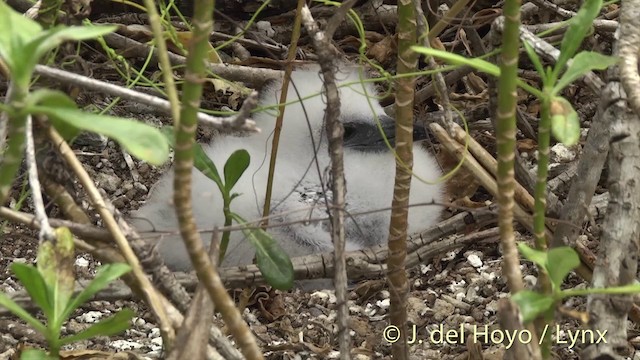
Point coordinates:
[[298, 194]]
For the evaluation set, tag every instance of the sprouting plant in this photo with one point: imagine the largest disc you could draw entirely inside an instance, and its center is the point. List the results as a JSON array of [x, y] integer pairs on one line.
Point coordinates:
[[271, 259], [557, 263], [50, 285]]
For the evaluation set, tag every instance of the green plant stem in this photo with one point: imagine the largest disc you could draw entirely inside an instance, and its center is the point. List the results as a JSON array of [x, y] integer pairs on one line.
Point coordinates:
[[540, 193], [48, 13], [291, 55], [506, 138], [228, 221], [506, 134], [185, 138], [618, 290], [11, 159], [540, 206], [396, 262], [163, 59]]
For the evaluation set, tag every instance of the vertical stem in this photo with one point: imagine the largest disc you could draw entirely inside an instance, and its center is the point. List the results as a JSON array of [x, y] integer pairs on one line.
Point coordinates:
[[396, 262], [540, 207], [291, 55], [185, 133], [540, 192], [11, 158], [506, 140]]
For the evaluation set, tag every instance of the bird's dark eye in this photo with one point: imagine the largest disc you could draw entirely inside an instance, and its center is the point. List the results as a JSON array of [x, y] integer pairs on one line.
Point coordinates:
[[349, 131]]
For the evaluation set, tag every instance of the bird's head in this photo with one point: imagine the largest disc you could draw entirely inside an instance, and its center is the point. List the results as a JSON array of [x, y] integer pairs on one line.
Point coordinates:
[[366, 126]]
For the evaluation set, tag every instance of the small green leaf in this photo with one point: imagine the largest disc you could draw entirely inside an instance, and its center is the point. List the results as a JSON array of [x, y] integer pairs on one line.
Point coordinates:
[[535, 60], [203, 163], [10, 305], [36, 354], [55, 265], [53, 37], [107, 327], [578, 27], [565, 123], [456, 59], [561, 261], [15, 31], [54, 98], [235, 167], [35, 285], [582, 63], [536, 256], [273, 262], [532, 304], [141, 140], [167, 131], [104, 275]]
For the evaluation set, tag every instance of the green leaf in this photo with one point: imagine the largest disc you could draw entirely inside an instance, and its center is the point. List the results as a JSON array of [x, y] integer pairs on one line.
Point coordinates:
[[565, 123], [54, 98], [578, 27], [167, 131], [53, 37], [535, 60], [456, 59], [104, 275], [141, 140], [15, 31], [582, 63], [107, 327], [10, 305], [36, 354], [203, 163], [273, 262], [532, 304], [35, 285], [55, 265], [536, 256], [561, 261], [235, 167]]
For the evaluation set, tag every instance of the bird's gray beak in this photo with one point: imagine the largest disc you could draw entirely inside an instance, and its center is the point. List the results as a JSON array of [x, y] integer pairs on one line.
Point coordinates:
[[367, 136]]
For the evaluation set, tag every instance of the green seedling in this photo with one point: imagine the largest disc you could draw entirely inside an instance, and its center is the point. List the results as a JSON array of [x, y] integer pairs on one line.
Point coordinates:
[[273, 262], [558, 263], [50, 285]]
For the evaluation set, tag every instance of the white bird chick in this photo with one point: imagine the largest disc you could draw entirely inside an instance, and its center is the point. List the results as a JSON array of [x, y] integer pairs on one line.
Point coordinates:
[[298, 193]]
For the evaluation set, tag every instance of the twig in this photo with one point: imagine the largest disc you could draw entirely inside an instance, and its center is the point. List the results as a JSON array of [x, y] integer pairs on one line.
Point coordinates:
[[273, 156], [439, 81], [149, 292], [46, 232], [239, 121], [335, 132], [250, 75]]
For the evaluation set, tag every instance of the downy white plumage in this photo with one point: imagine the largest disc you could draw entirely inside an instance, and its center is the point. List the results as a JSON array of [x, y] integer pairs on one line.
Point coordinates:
[[297, 191]]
